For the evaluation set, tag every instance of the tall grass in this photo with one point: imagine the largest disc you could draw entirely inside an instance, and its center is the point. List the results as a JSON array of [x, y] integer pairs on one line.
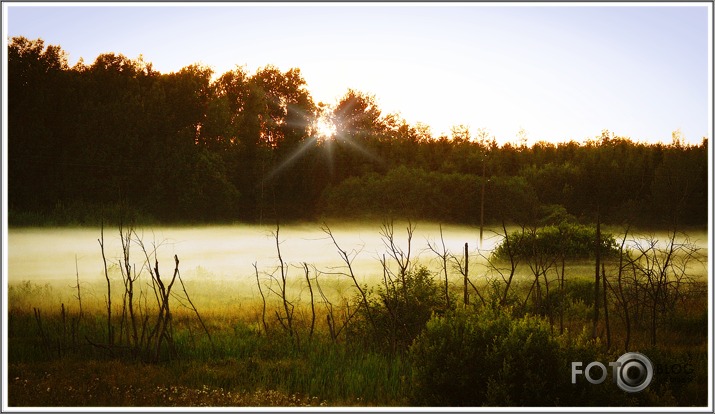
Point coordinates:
[[241, 358], [228, 356]]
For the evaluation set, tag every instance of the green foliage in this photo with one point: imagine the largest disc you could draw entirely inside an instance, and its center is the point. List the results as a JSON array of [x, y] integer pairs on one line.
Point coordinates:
[[402, 192], [80, 213], [491, 358], [473, 356], [240, 361], [467, 359], [117, 131], [573, 241], [421, 194], [398, 311]]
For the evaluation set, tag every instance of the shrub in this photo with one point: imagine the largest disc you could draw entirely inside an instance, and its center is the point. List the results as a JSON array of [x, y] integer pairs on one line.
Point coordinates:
[[400, 311], [574, 241], [454, 359], [492, 359], [429, 195]]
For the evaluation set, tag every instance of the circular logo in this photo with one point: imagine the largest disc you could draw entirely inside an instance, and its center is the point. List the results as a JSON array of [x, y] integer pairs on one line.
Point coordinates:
[[634, 372]]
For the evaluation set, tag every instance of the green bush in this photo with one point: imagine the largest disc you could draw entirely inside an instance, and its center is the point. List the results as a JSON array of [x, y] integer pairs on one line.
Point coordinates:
[[399, 310], [485, 359], [429, 195], [574, 241], [492, 359]]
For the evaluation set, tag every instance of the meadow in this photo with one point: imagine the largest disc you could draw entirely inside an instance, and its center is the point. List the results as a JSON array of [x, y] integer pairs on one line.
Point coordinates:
[[372, 315]]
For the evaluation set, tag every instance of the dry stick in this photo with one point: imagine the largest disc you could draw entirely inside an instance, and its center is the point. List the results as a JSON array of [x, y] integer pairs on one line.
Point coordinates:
[[79, 293], [132, 316], [401, 258], [279, 317], [263, 298], [444, 266], [154, 283], [622, 298], [542, 262], [163, 304], [125, 280], [147, 334], [201, 321], [639, 290], [283, 282], [287, 306], [109, 289], [167, 326], [160, 316], [123, 316], [442, 255], [165, 313], [605, 307], [334, 331], [512, 262], [658, 297], [129, 286], [329, 307], [344, 256], [312, 300]]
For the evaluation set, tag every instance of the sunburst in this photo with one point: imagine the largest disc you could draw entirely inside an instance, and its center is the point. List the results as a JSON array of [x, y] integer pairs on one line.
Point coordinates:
[[326, 136], [325, 128]]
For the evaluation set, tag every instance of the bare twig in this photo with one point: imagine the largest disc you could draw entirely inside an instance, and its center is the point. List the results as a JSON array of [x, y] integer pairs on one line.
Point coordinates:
[[110, 335], [348, 262], [442, 254], [263, 298]]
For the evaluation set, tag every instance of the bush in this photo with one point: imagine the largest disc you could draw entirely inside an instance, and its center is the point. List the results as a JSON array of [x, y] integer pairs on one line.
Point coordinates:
[[485, 359], [429, 195], [574, 241], [491, 359], [399, 311]]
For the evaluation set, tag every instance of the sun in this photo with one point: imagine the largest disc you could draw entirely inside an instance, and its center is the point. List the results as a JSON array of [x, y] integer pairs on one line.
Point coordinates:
[[325, 128]]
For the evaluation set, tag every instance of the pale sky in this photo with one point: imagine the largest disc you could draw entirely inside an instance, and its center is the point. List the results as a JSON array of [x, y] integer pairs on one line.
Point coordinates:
[[560, 72]]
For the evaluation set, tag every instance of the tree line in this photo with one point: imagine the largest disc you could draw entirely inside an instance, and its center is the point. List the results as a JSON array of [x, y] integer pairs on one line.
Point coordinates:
[[191, 146]]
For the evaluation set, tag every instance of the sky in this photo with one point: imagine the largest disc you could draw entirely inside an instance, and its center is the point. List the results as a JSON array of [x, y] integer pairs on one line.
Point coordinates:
[[559, 72]]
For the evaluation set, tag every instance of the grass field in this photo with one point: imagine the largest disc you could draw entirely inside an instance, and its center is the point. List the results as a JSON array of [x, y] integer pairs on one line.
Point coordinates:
[[223, 344]]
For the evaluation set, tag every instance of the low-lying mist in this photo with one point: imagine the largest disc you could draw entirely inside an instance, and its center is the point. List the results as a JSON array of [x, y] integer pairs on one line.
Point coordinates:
[[217, 261]]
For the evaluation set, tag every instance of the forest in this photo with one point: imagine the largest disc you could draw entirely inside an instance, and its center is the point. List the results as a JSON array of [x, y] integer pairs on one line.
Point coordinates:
[[190, 146]]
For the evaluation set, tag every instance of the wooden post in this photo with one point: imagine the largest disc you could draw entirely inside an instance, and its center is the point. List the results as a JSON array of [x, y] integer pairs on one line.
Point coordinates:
[[598, 274], [466, 274]]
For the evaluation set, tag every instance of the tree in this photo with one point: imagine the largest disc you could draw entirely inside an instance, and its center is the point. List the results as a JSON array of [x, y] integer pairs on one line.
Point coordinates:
[[35, 108], [286, 115], [357, 116]]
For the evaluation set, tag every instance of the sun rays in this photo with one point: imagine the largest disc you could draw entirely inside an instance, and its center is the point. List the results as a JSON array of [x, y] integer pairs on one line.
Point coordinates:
[[325, 136]]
